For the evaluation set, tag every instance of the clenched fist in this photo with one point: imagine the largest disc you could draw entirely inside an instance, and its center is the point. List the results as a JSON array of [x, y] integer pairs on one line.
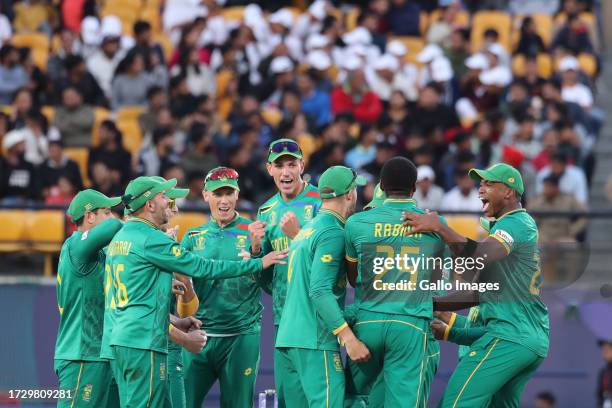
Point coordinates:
[[257, 231], [290, 225]]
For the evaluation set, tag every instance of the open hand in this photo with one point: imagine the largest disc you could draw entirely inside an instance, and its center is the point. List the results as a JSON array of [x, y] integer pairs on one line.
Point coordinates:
[[429, 222], [275, 257]]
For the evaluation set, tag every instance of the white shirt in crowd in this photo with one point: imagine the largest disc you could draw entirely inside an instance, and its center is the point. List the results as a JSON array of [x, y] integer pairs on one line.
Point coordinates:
[[578, 93], [454, 200], [103, 68], [431, 201], [573, 181]]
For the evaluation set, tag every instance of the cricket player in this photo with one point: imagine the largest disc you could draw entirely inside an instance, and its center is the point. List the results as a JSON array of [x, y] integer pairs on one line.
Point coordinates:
[[516, 335], [279, 220], [230, 308], [394, 312], [459, 329], [313, 324], [80, 300], [142, 258]]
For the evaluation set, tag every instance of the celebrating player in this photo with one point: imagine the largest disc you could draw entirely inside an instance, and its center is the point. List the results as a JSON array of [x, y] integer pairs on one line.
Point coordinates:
[[394, 324], [80, 300], [516, 337], [142, 258], [230, 308], [279, 220], [313, 311]]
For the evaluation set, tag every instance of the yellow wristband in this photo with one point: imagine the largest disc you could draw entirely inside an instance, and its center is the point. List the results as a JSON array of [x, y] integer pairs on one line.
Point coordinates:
[[170, 328], [450, 324], [189, 308]]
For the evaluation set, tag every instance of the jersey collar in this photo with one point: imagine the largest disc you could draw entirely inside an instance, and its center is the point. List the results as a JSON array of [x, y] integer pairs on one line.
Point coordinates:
[[399, 202], [333, 214], [142, 220], [300, 194], [231, 223], [510, 212]]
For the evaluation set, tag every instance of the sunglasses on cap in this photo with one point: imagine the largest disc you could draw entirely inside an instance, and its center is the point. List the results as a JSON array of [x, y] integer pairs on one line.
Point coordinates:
[[285, 146], [221, 173]]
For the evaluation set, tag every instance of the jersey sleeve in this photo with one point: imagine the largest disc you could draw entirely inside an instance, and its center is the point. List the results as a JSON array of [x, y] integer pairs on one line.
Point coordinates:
[[327, 260], [506, 231], [168, 255], [186, 241], [465, 336], [93, 241], [349, 246]]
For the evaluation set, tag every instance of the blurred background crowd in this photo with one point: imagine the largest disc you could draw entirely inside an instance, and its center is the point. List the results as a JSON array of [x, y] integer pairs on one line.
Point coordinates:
[[94, 93]]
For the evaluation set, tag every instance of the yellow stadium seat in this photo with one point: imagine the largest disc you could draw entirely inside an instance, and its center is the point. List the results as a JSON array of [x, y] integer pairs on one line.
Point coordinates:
[[272, 116], [49, 112], [545, 66], [413, 46], [46, 232], [31, 40], [233, 13], [544, 27], [351, 18], [465, 225], [81, 156], [40, 58], [462, 18], [186, 220], [588, 64], [165, 43], [13, 231], [497, 20], [100, 115], [132, 134], [587, 17], [130, 113], [152, 16], [127, 4]]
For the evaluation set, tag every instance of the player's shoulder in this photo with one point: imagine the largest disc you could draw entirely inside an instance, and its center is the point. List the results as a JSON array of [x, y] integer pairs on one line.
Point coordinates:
[[199, 230], [268, 205], [242, 223], [312, 192]]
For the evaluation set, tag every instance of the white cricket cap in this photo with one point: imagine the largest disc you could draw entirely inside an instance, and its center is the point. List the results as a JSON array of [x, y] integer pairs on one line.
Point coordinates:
[[569, 63], [317, 9], [316, 41], [425, 172], [386, 62], [441, 70], [12, 138], [351, 63], [111, 27], [280, 65], [429, 53], [253, 15], [90, 30], [397, 48], [360, 35], [497, 50], [319, 60], [498, 76], [477, 61], [283, 17]]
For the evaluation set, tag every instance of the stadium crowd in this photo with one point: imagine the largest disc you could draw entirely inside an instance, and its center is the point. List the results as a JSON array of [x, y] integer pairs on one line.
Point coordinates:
[[179, 87]]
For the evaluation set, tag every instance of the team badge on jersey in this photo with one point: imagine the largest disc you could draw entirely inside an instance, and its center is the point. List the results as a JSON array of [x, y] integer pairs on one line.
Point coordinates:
[[273, 218], [241, 241], [87, 392], [199, 242], [307, 212]]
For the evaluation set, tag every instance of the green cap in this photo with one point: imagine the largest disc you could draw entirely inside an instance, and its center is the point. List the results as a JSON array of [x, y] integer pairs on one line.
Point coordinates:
[[175, 192], [340, 180], [500, 173], [284, 147], [142, 189], [89, 200], [220, 177], [378, 198]]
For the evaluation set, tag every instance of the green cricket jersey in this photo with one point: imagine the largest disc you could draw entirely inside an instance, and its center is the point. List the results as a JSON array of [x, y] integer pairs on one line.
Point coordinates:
[[80, 292], [110, 294], [305, 206], [142, 259], [316, 286], [227, 306], [377, 236], [466, 329], [516, 312]]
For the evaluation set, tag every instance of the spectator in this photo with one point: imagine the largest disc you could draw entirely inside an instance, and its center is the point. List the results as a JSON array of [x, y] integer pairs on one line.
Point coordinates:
[[157, 100], [331, 154], [37, 80], [458, 50], [387, 78], [530, 42], [199, 77], [483, 143], [604, 378], [6, 31], [193, 201], [104, 62], [365, 151], [200, 155], [532, 78], [111, 152], [36, 137], [281, 75], [572, 37], [296, 128], [74, 119], [62, 193], [12, 74], [462, 197], [404, 18], [439, 31], [152, 52], [491, 42], [356, 98], [430, 112], [78, 77], [154, 159], [316, 104], [571, 89], [182, 101], [22, 103], [253, 182], [131, 82], [557, 229], [571, 178], [103, 181], [56, 67], [58, 165], [428, 195], [384, 151], [545, 399], [17, 175], [550, 143], [524, 139]]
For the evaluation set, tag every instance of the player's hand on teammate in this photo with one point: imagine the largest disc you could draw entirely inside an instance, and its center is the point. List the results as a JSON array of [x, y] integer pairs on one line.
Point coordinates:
[[444, 316], [173, 232], [245, 255], [275, 257], [257, 231], [357, 350], [194, 341], [290, 225], [187, 324], [429, 222], [438, 327], [178, 287]]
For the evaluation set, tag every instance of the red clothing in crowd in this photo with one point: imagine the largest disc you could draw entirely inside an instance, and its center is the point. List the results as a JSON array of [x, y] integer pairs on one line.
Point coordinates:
[[368, 110]]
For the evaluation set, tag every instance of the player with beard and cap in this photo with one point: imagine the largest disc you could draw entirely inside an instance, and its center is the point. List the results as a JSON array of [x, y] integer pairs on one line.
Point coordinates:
[[513, 342], [142, 258], [279, 220], [313, 322], [393, 311]]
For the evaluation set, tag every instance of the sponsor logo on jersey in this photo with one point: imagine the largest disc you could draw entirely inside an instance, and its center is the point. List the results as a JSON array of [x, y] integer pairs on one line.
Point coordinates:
[[84, 236], [506, 237], [87, 392], [308, 213], [327, 258], [248, 371]]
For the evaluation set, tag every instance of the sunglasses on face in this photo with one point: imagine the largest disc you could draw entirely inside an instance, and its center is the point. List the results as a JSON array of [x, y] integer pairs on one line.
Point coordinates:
[[284, 146], [222, 173], [172, 204]]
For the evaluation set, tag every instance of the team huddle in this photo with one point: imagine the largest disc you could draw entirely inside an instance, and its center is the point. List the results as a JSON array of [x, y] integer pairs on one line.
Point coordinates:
[[147, 321]]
